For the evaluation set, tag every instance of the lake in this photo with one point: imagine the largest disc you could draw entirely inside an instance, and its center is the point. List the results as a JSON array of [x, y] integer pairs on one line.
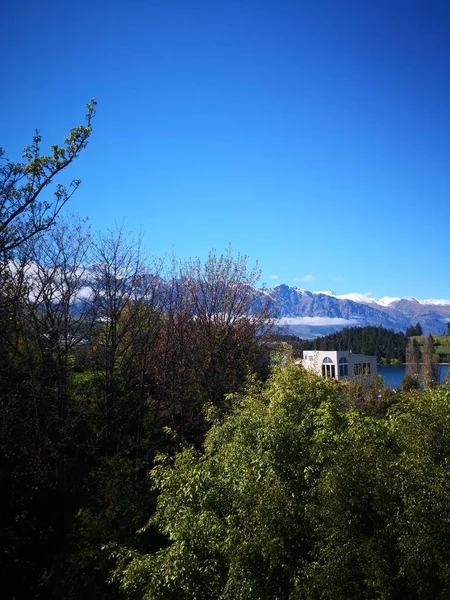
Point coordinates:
[[393, 375]]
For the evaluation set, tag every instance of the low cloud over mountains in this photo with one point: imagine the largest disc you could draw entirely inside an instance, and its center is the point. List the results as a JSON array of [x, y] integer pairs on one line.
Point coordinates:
[[309, 314]]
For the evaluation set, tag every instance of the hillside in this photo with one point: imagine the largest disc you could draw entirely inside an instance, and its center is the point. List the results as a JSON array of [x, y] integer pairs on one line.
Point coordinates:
[[375, 341], [441, 346], [312, 314]]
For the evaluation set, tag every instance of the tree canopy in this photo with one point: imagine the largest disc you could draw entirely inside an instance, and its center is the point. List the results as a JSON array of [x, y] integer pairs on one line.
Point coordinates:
[[157, 441], [414, 330], [297, 495], [375, 341], [24, 211]]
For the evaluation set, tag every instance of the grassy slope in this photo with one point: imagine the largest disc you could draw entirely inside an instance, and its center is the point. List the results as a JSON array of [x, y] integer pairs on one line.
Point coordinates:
[[441, 344]]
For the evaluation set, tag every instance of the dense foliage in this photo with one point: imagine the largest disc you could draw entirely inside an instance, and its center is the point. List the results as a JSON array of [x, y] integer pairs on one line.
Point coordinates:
[[414, 330], [106, 359], [266, 482], [375, 341], [101, 369], [25, 206], [297, 494]]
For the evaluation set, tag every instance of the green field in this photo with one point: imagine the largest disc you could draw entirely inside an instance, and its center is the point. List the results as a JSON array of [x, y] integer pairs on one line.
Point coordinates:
[[441, 344]]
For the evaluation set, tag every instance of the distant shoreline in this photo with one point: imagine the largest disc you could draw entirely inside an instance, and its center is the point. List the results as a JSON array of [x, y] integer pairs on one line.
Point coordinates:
[[405, 363]]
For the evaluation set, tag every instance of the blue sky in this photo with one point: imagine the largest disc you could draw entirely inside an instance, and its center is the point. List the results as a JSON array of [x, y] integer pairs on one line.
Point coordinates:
[[313, 136]]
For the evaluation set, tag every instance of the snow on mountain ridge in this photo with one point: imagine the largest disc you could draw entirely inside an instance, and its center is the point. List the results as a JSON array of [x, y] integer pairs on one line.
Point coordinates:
[[387, 300], [355, 297], [309, 314], [435, 302], [366, 298], [326, 293]]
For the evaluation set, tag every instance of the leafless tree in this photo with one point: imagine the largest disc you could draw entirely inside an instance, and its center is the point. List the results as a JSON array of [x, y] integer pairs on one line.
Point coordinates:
[[216, 323], [430, 362], [413, 359], [125, 291], [56, 307]]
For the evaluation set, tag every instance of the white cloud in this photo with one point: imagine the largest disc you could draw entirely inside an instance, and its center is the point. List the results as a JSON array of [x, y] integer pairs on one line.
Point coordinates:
[[306, 277], [85, 293], [274, 277], [338, 279], [316, 321]]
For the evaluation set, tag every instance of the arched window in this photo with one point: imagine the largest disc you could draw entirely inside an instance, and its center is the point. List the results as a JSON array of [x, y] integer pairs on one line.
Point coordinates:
[[343, 367], [328, 368]]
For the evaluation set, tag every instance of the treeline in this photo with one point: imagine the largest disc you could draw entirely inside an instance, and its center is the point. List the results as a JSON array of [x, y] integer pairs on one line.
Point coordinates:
[[107, 358], [264, 484], [375, 341], [103, 367], [308, 489]]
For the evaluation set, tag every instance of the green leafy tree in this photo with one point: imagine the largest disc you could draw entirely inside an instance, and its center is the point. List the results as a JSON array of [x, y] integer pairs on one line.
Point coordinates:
[[410, 382], [376, 341], [43, 434], [354, 552], [298, 496], [421, 479], [24, 211], [414, 330], [236, 516]]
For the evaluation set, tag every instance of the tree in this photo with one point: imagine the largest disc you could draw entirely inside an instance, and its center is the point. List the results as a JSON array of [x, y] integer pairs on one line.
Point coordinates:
[[23, 210], [377, 341], [410, 383], [421, 480], [235, 514], [214, 330], [231, 318], [56, 307], [296, 496], [414, 330], [430, 362], [413, 359], [117, 276], [46, 439]]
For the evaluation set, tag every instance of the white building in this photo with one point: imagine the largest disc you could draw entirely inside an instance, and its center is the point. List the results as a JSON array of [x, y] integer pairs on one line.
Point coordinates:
[[340, 364]]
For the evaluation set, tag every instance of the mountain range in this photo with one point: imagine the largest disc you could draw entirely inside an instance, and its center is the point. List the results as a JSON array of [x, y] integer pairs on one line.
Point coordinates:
[[311, 314]]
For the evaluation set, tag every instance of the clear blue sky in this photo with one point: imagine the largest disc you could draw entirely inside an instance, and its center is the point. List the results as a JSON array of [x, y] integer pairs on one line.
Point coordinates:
[[312, 135]]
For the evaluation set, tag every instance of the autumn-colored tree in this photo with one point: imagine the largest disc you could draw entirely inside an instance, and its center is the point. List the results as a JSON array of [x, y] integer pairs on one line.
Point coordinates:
[[232, 319], [217, 322]]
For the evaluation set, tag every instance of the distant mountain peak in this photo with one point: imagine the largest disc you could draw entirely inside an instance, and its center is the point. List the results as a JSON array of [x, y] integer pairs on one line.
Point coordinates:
[[366, 298], [310, 314]]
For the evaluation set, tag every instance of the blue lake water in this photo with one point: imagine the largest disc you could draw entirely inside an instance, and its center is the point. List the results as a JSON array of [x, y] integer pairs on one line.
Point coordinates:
[[393, 375]]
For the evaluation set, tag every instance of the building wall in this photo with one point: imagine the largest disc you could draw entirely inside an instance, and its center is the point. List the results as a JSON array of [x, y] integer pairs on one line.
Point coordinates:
[[353, 365]]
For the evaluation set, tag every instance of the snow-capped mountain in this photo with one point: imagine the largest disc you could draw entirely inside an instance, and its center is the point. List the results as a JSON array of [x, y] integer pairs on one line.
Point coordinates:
[[310, 314]]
